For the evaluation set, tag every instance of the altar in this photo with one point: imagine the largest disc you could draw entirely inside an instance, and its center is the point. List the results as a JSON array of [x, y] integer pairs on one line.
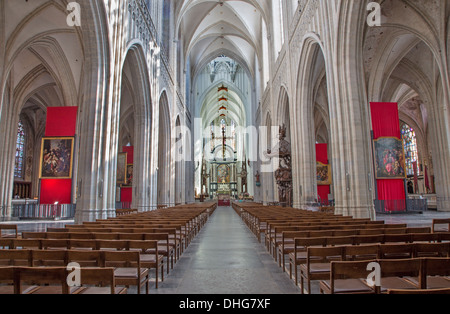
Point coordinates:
[[224, 194]]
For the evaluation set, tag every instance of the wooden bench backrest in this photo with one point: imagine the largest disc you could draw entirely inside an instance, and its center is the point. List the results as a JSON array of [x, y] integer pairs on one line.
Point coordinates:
[[40, 277], [389, 249], [15, 258], [362, 252], [75, 244], [348, 270], [323, 254], [111, 245], [400, 267], [437, 222], [143, 246], [122, 259], [437, 266], [86, 258], [8, 227], [7, 275], [103, 277], [59, 244], [48, 258], [27, 244], [432, 249]]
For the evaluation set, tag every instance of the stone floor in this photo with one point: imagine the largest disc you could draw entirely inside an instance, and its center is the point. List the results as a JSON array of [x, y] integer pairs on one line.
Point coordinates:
[[226, 258]]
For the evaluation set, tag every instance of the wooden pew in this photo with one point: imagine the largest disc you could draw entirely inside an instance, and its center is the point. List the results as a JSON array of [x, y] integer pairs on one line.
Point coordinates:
[[99, 281], [439, 222], [8, 227], [53, 280], [47, 280], [127, 269], [127, 264], [397, 276], [6, 280], [318, 264]]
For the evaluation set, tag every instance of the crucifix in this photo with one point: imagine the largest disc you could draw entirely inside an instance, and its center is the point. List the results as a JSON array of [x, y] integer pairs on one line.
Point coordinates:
[[224, 139]]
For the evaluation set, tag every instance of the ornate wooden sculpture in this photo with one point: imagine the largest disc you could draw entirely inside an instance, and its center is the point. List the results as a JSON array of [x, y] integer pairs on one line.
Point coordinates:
[[283, 174]]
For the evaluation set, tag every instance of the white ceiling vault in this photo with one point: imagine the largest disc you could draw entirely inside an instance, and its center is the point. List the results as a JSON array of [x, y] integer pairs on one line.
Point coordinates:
[[209, 28]]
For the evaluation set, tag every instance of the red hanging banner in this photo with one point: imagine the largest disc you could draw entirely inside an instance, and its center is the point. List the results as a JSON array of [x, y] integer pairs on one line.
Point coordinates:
[[386, 124], [61, 122], [322, 159], [126, 195]]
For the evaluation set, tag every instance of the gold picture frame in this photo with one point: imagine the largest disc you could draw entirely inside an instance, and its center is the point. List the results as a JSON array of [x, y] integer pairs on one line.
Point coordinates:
[[324, 174], [122, 168], [389, 158], [129, 176], [56, 160]]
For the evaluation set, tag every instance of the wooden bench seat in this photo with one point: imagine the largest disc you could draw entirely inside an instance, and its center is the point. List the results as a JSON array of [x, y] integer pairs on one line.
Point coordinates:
[[350, 278], [417, 274], [318, 264]]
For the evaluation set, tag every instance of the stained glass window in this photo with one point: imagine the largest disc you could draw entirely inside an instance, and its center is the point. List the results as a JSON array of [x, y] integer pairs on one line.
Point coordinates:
[[20, 152], [410, 145], [223, 125]]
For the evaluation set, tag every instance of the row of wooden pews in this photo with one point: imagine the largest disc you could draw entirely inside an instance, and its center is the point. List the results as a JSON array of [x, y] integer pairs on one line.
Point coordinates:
[[132, 244], [310, 242]]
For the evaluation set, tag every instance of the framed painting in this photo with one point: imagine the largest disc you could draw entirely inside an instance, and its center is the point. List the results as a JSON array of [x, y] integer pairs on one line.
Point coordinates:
[[129, 176], [223, 174], [324, 175], [389, 158], [122, 168], [56, 158]]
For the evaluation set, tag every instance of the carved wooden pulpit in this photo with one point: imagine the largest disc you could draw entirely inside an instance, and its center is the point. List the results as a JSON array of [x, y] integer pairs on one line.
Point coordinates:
[[283, 175]]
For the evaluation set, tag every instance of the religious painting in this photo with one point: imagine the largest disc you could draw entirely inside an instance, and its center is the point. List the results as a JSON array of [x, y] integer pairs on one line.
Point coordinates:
[[324, 175], [129, 176], [122, 168], [223, 174], [389, 158], [56, 158]]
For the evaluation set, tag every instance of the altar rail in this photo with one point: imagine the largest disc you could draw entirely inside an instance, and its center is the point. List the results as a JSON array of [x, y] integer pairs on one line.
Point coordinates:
[[37, 211], [411, 206]]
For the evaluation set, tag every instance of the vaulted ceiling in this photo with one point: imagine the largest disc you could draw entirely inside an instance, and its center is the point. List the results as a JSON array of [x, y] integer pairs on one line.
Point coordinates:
[[210, 28]]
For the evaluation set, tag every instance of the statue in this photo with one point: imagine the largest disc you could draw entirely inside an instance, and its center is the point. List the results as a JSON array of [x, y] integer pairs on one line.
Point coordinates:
[[283, 174]]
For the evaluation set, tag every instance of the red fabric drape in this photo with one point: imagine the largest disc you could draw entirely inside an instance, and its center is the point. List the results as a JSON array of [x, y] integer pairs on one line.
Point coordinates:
[[385, 120], [126, 193], [61, 122], [53, 191], [386, 123], [322, 156], [130, 154]]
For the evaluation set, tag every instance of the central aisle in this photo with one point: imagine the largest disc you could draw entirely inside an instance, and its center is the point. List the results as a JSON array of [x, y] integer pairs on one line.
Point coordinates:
[[226, 258]]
